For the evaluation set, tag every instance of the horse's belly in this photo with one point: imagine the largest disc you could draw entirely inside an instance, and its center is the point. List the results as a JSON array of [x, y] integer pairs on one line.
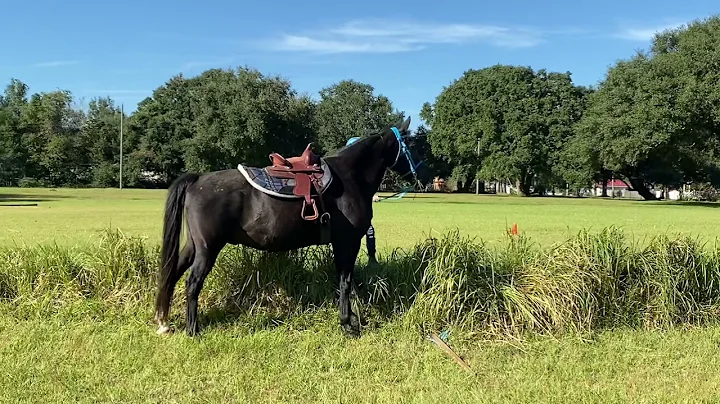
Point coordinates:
[[273, 224], [278, 238]]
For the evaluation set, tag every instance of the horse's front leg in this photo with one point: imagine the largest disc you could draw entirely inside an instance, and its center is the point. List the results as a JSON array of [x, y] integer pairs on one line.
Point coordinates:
[[346, 253]]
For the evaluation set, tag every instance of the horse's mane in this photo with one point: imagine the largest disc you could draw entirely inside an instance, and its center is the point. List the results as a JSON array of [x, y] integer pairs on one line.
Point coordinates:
[[370, 136]]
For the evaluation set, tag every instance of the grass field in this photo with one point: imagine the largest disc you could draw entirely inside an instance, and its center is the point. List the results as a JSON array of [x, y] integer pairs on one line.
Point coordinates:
[[70, 217], [61, 345]]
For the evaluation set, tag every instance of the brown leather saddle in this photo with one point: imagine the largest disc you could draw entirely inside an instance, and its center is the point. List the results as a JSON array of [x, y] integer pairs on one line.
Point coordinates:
[[307, 172]]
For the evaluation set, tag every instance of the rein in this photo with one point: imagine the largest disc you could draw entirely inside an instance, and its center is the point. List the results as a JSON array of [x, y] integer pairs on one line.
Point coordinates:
[[402, 193]]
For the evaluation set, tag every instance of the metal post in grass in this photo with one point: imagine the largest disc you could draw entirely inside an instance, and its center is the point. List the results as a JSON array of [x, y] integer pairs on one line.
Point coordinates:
[[477, 181], [122, 112]]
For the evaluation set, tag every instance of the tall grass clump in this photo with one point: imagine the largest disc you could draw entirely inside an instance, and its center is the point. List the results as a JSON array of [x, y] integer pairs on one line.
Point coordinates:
[[591, 281], [117, 271]]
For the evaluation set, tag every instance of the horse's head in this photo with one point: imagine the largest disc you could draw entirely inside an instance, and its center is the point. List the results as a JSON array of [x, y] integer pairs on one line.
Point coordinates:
[[400, 157], [372, 155]]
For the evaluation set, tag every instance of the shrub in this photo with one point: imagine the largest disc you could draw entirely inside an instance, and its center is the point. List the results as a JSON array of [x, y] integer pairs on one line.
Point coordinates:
[[702, 192], [28, 182]]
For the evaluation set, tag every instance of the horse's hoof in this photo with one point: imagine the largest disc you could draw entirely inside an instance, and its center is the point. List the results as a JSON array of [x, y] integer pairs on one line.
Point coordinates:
[[192, 332], [164, 330], [350, 331], [353, 328]]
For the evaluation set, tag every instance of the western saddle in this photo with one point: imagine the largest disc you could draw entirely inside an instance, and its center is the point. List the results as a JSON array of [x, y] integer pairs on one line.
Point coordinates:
[[306, 171]]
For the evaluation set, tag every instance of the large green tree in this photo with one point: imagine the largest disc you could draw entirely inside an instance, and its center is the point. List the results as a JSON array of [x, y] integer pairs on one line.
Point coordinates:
[[655, 116], [13, 156], [163, 123], [219, 119], [242, 116], [52, 138], [349, 108], [505, 123], [420, 142], [101, 134]]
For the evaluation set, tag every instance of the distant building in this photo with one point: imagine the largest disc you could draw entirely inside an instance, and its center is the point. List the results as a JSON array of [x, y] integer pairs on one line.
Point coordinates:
[[618, 188], [674, 194]]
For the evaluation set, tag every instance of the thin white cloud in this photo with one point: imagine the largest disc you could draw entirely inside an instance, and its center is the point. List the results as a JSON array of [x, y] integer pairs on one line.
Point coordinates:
[[57, 63], [644, 33], [304, 43], [383, 37]]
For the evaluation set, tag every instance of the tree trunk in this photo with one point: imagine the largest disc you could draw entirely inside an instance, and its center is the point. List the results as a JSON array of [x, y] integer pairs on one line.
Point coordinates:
[[642, 189], [605, 176], [523, 187]]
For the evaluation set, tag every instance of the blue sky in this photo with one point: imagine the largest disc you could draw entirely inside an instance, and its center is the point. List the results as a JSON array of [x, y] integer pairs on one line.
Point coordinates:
[[408, 50]]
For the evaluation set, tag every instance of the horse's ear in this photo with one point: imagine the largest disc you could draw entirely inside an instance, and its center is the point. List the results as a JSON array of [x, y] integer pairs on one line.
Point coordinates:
[[405, 125]]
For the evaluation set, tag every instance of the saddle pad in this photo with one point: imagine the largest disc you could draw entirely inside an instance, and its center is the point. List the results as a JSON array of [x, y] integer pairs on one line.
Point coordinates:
[[281, 187]]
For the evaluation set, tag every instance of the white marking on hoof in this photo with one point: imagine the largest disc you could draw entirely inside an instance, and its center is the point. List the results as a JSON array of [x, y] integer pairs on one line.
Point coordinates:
[[164, 330]]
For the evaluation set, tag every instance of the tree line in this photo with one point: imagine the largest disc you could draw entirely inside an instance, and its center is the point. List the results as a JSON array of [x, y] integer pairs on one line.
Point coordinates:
[[209, 122], [652, 121]]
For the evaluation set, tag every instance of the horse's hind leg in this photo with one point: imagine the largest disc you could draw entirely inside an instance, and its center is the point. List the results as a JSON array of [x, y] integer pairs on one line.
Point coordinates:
[[204, 260], [164, 299]]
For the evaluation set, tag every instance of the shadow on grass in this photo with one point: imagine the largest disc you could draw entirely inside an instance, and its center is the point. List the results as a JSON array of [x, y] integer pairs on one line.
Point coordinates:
[[298, 288], [24, 199], [692, 203]]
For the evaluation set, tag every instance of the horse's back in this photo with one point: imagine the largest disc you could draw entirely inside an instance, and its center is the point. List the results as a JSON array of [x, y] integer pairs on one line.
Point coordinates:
[[223, 205]]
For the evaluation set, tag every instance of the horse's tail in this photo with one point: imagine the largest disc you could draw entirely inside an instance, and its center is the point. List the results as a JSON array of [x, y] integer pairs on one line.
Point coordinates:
[[172, 225]]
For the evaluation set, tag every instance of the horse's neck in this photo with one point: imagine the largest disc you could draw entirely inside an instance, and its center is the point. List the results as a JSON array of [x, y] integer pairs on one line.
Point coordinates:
[[370, 165], [376, 171]]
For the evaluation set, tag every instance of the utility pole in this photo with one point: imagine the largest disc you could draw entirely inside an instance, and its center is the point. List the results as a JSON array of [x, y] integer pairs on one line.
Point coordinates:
[[477, 180], [122, 113]]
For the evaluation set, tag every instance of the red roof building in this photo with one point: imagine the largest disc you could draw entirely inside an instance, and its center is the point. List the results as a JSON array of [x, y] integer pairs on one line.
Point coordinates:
[[617, 184]]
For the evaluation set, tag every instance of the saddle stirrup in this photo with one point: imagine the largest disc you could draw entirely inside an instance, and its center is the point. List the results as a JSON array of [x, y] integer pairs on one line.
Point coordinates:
[[315, 215]]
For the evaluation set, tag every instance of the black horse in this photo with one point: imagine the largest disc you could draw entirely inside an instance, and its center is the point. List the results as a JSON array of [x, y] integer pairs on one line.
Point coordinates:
[[224, 207]]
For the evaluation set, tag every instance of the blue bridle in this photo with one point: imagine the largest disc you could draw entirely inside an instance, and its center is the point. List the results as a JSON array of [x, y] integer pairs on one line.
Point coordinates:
[[405, 150]]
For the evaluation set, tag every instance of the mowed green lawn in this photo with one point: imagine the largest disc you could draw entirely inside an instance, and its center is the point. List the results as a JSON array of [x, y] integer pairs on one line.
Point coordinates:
[[119, 359], [70, 217], [89, 355]]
